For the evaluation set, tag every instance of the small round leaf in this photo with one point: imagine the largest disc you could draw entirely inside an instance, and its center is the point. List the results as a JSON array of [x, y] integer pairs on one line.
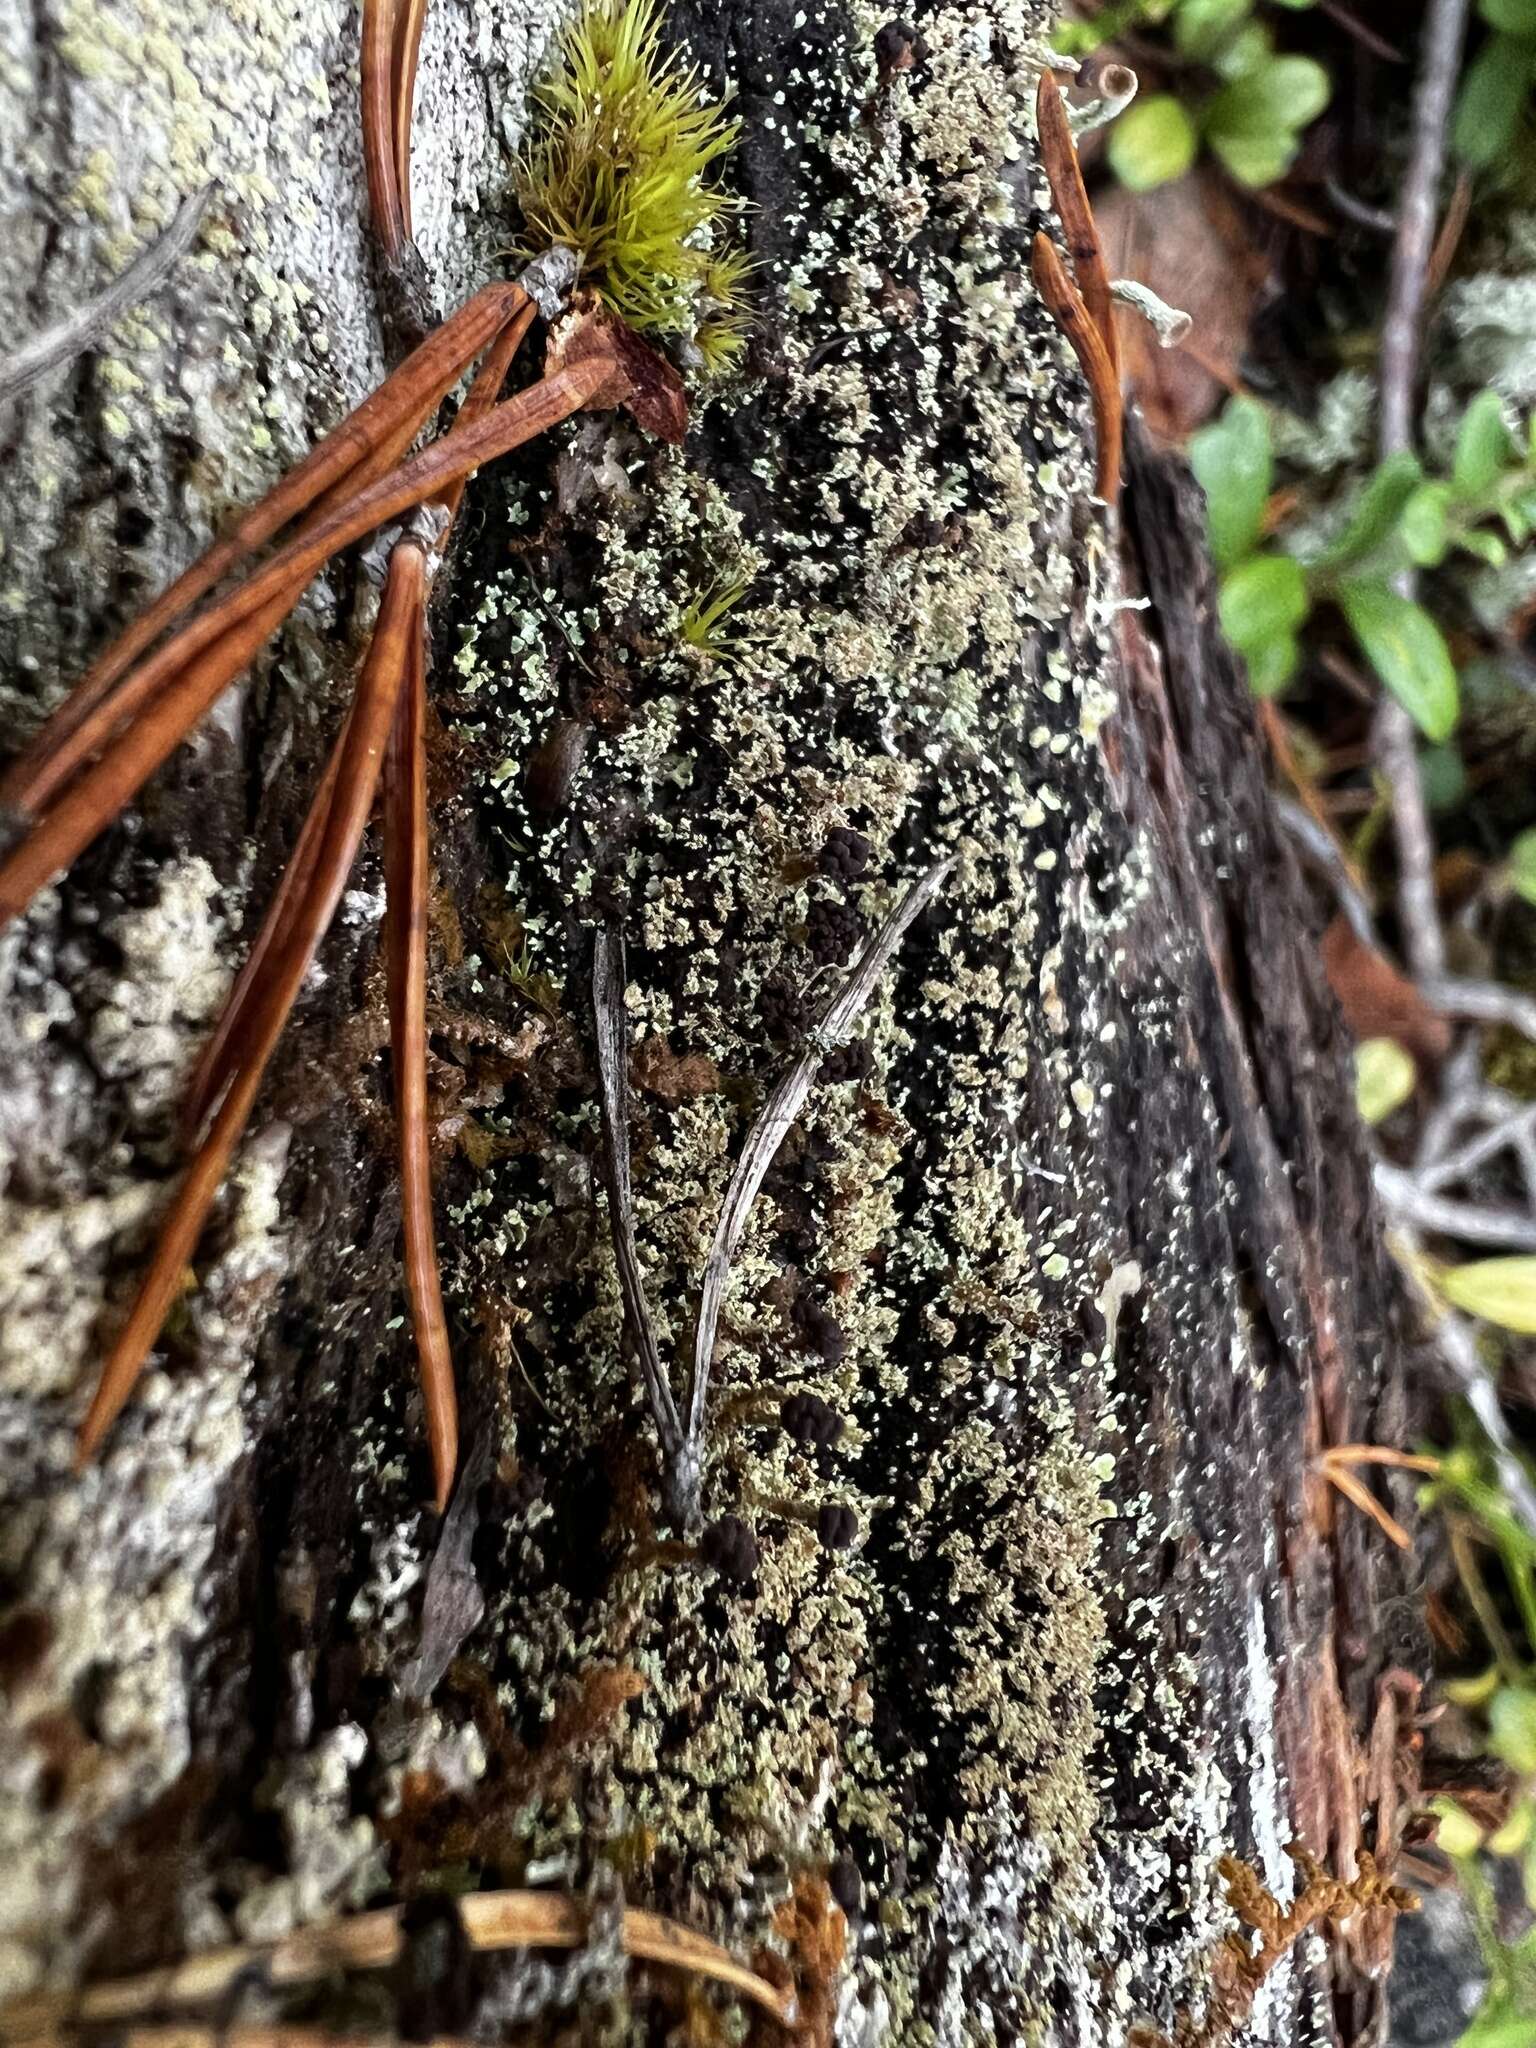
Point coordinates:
[[1384, 1078], [1262, 599], [1152, 143], [1404, 646]]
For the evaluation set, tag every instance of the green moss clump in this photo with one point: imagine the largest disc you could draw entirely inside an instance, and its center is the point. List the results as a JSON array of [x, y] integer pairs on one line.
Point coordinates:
[[618, 173]]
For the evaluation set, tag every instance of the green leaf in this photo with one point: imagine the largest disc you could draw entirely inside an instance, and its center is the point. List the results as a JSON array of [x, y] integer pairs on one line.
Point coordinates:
[[1492, 99], [1253, 123], [1422, 524], [1512, 1728], [1201, 26], [1262, 600], [1404, 646], [1483, 447], [1272, 664], [1376, 509], [1280, 96], [1486, 546], [1152, 143], [1515, 17], [1384, 1078], [1234, 462], [1501, 1291], [1521, 864], [1443, 776], [1248, 51], [1458, 1833], [1256, 160]]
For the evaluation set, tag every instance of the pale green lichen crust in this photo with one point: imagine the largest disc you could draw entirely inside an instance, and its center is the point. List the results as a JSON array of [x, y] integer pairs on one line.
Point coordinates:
[[917, 661]]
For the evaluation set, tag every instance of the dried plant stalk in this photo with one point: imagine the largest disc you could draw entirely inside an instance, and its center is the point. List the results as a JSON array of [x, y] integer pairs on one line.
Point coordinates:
[[776, 1119]]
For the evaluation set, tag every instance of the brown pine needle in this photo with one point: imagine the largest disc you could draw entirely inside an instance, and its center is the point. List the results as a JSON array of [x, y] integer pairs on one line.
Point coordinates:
[[1381, 1454], [381, 159], [408, 394], [372, 1941], [1367, 1503], [1336, 1462], [406, 889], [363, 742], [208, 652], [1071, 314], [221, 1054], [1059, 154], [410, 15], [228, 1046]]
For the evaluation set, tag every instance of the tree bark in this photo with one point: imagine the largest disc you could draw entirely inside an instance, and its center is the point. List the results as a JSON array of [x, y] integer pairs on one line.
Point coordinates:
[[1077, 1241]]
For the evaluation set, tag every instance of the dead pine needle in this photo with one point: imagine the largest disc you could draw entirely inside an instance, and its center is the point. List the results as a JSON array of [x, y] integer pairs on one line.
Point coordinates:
[[1080, 301], [492, 1921]]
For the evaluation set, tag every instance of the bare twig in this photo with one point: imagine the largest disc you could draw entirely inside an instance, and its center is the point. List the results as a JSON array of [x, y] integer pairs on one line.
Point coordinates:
[[1460, 1080], [1509, 1131], [778, 1115], [613, 1071], [1324, 851], [1484, 1002], [144, 276], [1508, 1229], [1396, 753]]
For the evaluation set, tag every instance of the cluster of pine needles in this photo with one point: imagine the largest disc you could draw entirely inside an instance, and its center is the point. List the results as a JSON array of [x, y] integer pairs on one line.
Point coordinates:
[[620, 172]]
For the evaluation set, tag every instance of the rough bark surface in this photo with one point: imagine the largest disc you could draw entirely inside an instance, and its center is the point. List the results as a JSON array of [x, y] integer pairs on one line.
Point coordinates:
[[1076, 1240]]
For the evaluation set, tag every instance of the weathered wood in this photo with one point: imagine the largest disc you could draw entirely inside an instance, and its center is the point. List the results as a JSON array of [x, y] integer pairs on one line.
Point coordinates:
[[1077, 1240]]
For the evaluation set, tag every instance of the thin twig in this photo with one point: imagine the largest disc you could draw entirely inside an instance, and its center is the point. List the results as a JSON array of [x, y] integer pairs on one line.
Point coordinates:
[[1508, 1132], [75, 333], [608, 979], [1484, 1002], [1460, 1080], [776, 1118], [1396, 751], [1508, 1229], [1322, 848]]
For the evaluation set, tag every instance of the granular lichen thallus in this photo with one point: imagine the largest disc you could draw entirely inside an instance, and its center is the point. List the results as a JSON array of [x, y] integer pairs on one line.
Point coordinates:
[[146, 692]]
